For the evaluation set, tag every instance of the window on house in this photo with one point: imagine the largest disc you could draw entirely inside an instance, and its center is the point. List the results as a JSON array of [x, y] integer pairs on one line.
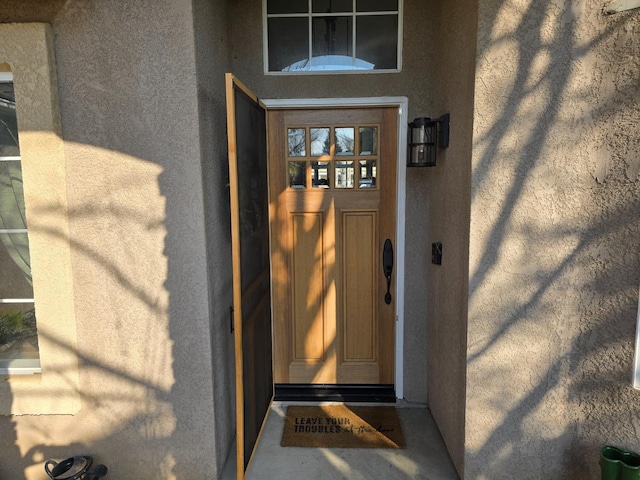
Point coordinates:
[[332, 36], [18, 337]]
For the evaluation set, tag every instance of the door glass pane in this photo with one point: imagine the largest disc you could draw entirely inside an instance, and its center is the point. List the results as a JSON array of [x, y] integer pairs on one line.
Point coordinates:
[[288, 44], [332, 6], [332, 39], [287, 6], [320, 174], [368, 140], [298, 174], [377, 40], [367, 174], [345, 138], [344, 174], [320, 141], [376, 5], [297, 143], [18, 336]]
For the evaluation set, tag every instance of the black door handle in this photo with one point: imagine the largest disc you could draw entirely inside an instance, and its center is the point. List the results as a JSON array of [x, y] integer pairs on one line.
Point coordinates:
[[387, 266]]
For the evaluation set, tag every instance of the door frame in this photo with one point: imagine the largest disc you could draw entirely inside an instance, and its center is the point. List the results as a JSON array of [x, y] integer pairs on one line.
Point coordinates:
[[403, 109]]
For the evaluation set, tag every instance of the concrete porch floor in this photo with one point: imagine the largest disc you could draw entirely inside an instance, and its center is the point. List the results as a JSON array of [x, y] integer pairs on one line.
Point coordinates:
[[425, 457]]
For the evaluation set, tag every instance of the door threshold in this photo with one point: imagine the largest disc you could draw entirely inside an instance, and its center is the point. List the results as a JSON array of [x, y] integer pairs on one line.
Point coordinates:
[[300, 392]]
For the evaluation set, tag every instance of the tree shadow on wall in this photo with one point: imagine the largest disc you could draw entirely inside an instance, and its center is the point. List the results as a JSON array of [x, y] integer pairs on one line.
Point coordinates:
[[561, 343], [130, 419]]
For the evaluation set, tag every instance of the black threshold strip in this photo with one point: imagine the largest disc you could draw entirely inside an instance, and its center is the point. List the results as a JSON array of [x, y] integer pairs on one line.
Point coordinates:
[[299, 392]]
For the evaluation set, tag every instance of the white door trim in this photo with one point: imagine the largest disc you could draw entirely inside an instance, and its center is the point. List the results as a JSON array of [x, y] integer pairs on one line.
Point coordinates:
[[403, 108]]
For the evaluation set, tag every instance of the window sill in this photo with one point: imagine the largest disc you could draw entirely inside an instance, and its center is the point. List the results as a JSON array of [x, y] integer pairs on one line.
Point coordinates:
[[332, 72], [21, 366]]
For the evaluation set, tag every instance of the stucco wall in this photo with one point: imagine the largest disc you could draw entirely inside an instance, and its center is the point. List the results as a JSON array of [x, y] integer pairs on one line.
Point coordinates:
[[416, 81], [133, 155], [555, 258], [212, 62], [448, 187]]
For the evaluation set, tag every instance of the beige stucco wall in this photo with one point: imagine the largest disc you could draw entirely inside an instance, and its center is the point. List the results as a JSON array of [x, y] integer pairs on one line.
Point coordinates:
[[554, 253], [149, 334], [448, 189], [212, 62]]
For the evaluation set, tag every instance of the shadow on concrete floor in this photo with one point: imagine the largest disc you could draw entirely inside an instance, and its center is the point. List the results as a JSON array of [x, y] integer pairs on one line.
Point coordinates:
[[425, 457]]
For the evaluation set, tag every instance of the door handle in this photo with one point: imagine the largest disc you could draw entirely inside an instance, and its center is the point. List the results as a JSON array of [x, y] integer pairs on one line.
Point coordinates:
[[387, 266]]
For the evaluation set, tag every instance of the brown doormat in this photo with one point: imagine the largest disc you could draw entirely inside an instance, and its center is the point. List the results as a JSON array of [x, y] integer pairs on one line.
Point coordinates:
[[342, 426]]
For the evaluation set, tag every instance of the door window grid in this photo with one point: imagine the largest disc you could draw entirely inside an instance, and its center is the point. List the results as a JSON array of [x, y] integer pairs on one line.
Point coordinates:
[[280, 16], [339, 157]]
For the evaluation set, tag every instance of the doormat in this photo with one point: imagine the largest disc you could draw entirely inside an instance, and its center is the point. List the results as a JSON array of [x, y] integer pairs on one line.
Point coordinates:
[[342, 426]]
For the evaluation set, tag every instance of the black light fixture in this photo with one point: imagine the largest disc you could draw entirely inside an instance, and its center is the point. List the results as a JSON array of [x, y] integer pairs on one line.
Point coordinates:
[[424, 139]]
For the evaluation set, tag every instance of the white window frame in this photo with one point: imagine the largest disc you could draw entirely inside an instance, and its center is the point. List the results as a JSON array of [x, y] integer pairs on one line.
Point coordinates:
[[310, 15], [17, 366]]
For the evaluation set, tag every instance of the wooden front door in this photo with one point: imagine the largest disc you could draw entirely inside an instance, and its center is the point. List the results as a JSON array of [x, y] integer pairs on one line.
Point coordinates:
[[332, 191]]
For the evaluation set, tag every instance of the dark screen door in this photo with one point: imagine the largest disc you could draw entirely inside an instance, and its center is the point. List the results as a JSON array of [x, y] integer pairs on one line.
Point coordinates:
[[246, 124]]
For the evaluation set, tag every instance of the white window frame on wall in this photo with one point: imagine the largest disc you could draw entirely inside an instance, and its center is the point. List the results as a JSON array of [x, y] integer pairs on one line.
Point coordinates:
[[310, 15], [636, 366], [18, 366]]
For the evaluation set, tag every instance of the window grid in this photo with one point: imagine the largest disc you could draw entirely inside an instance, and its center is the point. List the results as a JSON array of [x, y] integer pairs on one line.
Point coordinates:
[[300, 165], [12, 363], [354, 14]]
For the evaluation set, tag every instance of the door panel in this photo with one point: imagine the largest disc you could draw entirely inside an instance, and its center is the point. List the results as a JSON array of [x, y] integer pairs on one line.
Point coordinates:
[[359, 240], [308, 297], [333, 201], [246, 125]]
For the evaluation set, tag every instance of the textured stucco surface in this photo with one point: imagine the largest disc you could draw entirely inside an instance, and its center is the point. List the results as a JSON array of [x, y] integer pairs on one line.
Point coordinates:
[[131, 120], [554, 253], [212, 62], [448, 186]]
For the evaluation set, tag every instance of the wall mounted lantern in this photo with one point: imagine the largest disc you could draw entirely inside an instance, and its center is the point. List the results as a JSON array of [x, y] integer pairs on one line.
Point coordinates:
[[425, 135]]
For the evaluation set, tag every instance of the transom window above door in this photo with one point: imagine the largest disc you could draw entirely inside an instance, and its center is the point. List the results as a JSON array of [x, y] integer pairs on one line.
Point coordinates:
[[329, 36], [344, 157]]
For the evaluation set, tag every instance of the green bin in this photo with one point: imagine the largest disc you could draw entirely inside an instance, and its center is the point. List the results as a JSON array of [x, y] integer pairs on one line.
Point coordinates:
[[630, 466], [618, 464]]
